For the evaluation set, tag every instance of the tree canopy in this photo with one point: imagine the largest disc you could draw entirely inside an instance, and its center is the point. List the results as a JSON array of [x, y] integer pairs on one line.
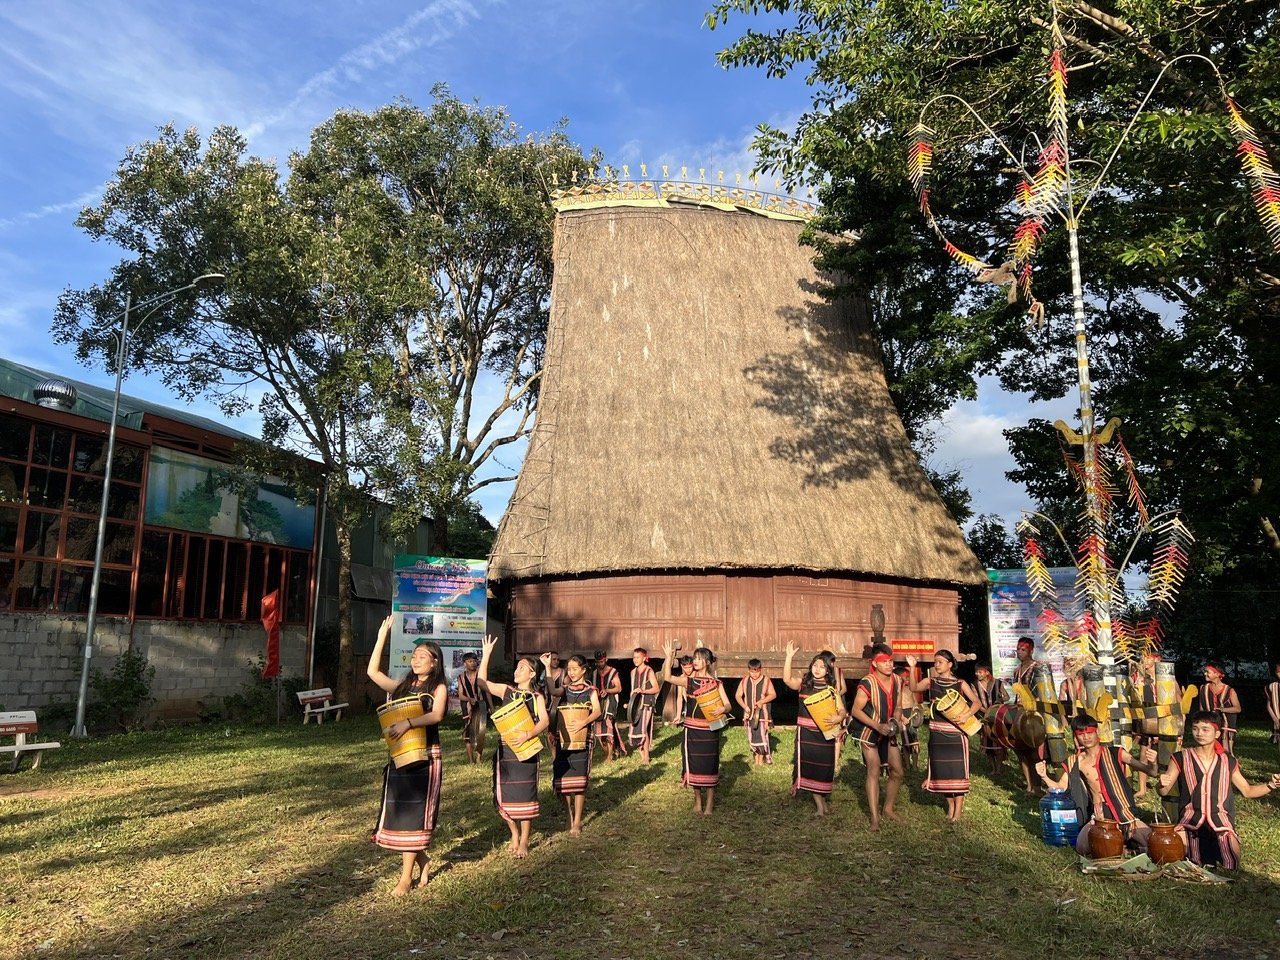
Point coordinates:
[[1182, 281], [404, 255]]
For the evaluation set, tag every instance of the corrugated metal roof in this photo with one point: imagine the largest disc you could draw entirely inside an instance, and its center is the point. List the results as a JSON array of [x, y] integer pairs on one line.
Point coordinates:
[[18, 381]]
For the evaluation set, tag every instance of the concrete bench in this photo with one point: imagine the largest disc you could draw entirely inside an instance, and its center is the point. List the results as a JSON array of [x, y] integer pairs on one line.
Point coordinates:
[[19, 725], [319, 702]]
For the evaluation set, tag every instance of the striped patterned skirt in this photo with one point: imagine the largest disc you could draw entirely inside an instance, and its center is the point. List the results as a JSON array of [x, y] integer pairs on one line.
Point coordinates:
[[571, 771], [515, 785], [815, 760], [948, 759], [700, 757], [410, 804]]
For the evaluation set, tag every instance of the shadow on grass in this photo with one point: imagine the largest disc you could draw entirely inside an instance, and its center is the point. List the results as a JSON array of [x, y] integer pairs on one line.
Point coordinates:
[[642, 880]]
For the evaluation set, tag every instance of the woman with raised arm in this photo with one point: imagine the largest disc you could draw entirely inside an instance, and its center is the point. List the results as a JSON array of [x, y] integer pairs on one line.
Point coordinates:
[[948, 743], [571, 766], [411, 795], [814, 767], [515, 781], [703, 720]]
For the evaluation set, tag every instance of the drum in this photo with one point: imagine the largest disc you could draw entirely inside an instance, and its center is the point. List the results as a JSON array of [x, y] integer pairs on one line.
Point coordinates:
[[824, 707], [514, 718], [952, 705], [713, 708], [412, 747], [577, 712], [999, 720]]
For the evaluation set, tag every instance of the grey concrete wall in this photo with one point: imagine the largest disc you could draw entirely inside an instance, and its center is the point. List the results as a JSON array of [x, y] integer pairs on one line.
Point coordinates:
[[41, 657]]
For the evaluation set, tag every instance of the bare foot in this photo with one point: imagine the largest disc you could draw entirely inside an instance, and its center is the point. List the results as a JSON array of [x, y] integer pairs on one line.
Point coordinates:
[[575, 831], [875, 826], [521, 852], [892, 815], [400, 890]]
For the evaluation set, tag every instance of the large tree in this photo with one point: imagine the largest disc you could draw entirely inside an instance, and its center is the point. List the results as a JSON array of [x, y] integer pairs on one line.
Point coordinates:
[[327, 269], [1181, 277]]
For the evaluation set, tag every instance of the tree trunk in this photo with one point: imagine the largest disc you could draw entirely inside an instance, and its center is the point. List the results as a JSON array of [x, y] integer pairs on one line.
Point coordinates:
[[440, 534], [342, 527]]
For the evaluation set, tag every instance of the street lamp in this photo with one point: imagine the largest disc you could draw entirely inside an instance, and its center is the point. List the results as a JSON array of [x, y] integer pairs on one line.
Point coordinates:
[[91, 621]]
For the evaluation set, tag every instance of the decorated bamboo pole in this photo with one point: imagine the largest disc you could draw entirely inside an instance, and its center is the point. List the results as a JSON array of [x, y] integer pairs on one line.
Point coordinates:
[[1101, 632]]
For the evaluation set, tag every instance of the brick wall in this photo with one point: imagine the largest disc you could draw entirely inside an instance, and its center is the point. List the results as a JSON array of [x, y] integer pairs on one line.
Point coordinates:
[[41, 657]]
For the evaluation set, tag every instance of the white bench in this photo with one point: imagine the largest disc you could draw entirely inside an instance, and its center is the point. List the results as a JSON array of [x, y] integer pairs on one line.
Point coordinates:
[[316, 703], [17, 725]]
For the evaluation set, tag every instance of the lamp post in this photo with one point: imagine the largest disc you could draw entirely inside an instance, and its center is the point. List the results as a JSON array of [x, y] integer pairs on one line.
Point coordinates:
[[91, 620]]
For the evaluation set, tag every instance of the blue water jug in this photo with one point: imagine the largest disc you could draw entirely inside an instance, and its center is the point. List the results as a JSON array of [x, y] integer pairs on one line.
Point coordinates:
[[1059, 819]]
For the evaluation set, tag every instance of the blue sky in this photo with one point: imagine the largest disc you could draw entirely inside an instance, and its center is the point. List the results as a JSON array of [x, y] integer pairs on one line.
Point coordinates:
[[80, 81]]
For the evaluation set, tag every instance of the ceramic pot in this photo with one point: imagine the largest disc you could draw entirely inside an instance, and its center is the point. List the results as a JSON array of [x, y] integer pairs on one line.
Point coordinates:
[[1106, 840], [1164, 845]]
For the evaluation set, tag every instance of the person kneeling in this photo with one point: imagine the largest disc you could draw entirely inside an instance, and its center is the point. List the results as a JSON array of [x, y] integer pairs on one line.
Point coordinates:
[[1204, 775], [1099, 785]]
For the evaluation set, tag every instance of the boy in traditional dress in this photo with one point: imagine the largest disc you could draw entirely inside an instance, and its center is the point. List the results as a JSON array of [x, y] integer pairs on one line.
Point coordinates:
[[877, 713], [1025, 674], [1098, 784], [644, 697], [754, 694], [475, 707], [1204, 775], [990, 691], [1219, 697], [608, 684]]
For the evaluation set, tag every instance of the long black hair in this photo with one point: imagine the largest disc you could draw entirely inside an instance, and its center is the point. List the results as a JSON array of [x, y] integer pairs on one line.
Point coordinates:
[[434, 678], [809, 683]]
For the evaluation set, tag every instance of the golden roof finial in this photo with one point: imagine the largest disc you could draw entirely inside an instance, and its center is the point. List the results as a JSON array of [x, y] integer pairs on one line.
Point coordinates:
[[684, 173], [608, 172], [644, 171], [737, 179], [626, 171], [720, 176], [702, 173], [664, 171]]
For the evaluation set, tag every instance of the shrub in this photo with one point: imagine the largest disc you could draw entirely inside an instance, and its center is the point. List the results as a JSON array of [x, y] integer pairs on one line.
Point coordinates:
[[124, 694], [256, 701]]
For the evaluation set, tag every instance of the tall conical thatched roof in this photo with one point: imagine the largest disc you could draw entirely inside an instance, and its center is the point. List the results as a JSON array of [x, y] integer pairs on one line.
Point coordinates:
[[703, 407]]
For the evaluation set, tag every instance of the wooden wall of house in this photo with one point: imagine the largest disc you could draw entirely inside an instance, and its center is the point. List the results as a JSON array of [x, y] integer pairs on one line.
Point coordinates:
[[740, 614]]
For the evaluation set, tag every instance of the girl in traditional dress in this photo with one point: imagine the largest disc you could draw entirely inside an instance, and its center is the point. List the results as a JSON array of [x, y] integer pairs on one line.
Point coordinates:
[[1204, 775], [571, 768], [554, 676], [411, 795], [948, 744], [515, 781], [754, 694], [701, 752], [1221, 698], [815, 756]]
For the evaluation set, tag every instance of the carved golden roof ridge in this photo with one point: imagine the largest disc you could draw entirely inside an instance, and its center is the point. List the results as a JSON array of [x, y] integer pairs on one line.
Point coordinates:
[[617, 188]]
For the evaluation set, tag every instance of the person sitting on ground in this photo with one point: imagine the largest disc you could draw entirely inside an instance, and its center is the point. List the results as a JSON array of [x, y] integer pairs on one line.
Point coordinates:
[[1203, 775], [1099, 785]]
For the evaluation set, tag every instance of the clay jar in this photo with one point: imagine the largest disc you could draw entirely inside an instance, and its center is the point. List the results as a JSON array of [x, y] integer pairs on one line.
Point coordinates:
[[1106, 840], [1164, 845]]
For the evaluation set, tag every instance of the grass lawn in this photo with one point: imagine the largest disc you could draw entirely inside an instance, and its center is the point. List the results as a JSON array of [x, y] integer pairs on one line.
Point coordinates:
[[238, 842]]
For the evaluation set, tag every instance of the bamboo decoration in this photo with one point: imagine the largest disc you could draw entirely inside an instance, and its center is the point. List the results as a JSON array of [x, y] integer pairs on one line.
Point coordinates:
[[1051, 708]]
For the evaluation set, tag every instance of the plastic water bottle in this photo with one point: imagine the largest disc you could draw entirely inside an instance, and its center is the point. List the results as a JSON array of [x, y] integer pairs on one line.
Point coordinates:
[[1059, 819]]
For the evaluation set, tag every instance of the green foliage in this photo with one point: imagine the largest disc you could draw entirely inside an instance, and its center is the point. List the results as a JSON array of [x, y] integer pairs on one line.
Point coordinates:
[[255, 703], [122, 695], [1182, 289], [404, 255]]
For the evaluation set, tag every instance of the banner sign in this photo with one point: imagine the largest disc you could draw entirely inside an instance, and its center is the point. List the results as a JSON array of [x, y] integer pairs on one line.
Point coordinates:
[[918, 648], [1011, 613], [440, 599]]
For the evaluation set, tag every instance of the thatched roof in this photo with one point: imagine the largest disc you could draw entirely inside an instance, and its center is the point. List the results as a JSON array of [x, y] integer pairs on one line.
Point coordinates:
[[704, 407]]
